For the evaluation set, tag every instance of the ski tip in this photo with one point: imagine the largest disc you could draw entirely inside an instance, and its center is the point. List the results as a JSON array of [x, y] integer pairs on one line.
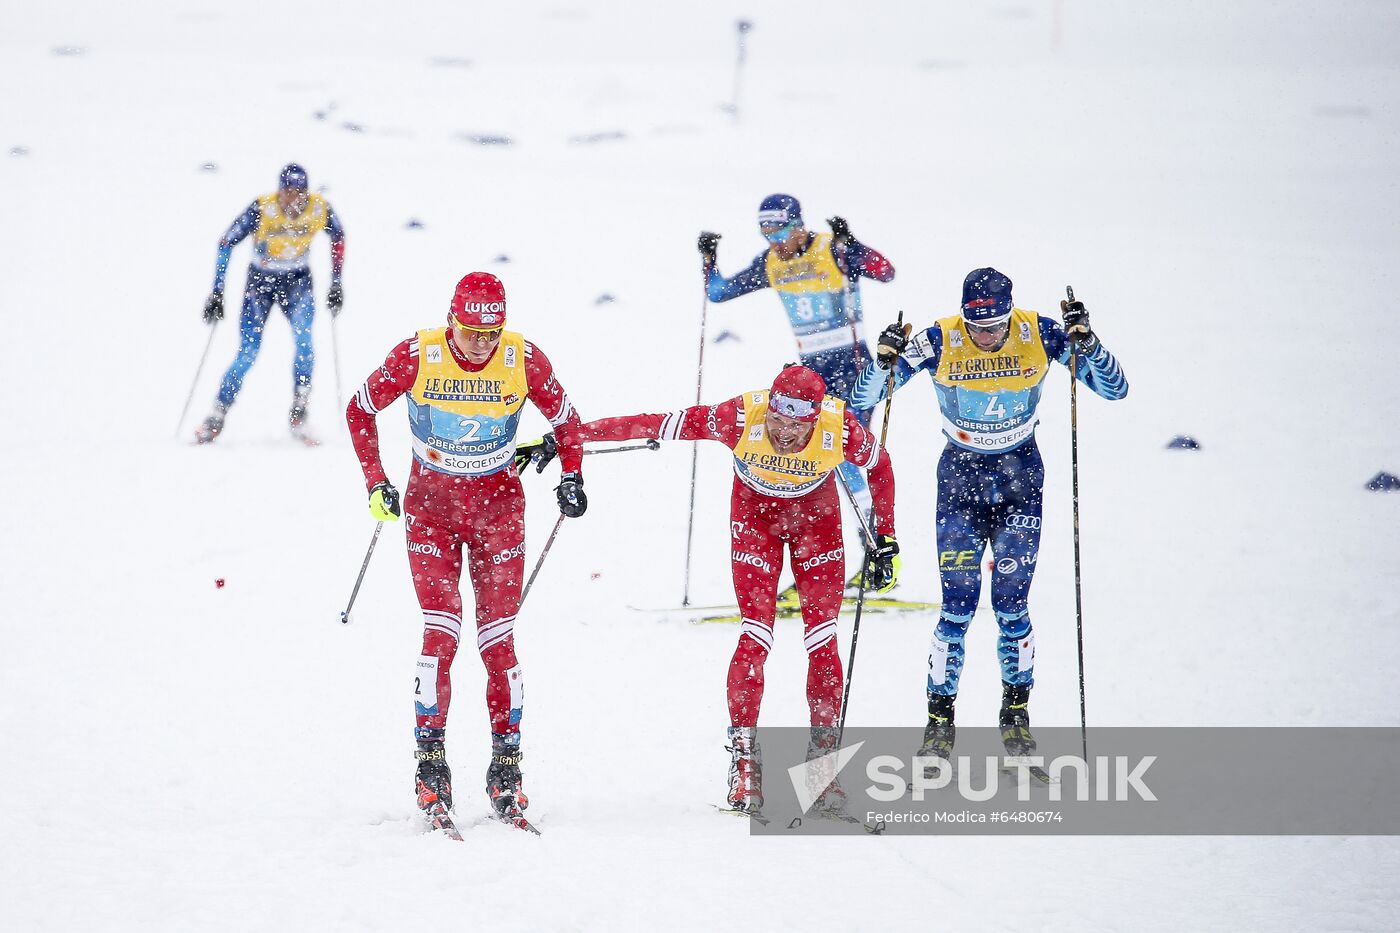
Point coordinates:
[[517, 819], [440, 821]]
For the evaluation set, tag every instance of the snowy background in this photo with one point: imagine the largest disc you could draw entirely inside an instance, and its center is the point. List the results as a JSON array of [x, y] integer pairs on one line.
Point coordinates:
[[1216, 180]]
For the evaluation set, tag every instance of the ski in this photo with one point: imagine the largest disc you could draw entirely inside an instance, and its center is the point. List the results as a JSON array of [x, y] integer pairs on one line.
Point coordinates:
[[841, 816], [1009, 767], [660, 610], [751, 814], [439, 820], [730, 613], [878, 604], [514, 817]]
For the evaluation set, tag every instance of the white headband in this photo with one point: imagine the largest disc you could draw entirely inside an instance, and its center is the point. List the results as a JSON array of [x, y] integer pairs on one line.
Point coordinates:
[[792, 407]]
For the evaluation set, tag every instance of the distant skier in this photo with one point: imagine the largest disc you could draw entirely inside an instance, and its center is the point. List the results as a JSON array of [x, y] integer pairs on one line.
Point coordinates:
[[988, 365], [282, 225], [787, 442], [466, 385], [817, 277]]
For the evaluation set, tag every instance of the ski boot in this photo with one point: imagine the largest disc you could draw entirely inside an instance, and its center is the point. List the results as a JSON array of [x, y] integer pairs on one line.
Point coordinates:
[[745, 769], [212, 426], [939, 734], [433, 782], [1015, 721], [296, 418], [503, 780], [829, 797]]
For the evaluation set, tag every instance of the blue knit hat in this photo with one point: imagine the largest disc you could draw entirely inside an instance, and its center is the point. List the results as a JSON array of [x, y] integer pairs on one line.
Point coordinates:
[[293, 177], [779, 210], [986, 297]]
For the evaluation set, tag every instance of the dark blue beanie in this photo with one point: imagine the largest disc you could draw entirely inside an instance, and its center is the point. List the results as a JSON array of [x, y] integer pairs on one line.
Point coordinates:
[[779, 210], [986, 297], [293, 176]]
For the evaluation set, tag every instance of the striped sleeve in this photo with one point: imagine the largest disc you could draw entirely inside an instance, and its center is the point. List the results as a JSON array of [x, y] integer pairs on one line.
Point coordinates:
[[1098, 369]]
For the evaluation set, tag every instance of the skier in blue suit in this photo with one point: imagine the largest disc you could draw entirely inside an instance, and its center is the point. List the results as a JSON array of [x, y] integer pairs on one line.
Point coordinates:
[[988, 365]]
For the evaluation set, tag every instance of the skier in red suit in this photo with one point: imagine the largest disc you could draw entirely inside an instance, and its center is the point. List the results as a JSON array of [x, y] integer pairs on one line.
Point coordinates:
[[466, 384], [786, 442]]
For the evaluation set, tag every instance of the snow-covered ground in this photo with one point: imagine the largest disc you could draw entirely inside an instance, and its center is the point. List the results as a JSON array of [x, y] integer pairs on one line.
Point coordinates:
[[1216, 180]]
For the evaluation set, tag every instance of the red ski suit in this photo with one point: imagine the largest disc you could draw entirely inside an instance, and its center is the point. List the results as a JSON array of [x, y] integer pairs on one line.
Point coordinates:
[[445, 513], [760, 525]]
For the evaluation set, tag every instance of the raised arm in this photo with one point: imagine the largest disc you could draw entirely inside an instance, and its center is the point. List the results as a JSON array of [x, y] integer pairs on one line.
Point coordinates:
[[921, 352], [723, 422], [1095, 366], [750, 280]]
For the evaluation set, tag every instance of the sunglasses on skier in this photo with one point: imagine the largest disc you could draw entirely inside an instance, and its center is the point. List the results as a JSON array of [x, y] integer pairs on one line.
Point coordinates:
[[987, 328], [781, 234], [471, 333]]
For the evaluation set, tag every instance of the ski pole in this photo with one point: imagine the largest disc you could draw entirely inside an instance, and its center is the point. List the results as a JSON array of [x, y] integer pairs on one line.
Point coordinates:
[[695, 451], [1074, 478], [345, 616], [540, 563], [743, 26], [198, 370], [865, 567], [335, 354], [651, 444], [867, 536]]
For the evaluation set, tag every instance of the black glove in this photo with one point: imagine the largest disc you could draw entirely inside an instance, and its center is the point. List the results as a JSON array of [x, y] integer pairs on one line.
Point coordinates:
[[384, 502], [840, 231], [572, 501], [1077, 325], [893, 340], [214, 307], [335, 299], [708, 245], [883, 571], [538, 452]]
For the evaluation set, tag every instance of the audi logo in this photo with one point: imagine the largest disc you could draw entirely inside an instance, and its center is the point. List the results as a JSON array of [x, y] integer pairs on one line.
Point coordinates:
[[1028, 522]]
